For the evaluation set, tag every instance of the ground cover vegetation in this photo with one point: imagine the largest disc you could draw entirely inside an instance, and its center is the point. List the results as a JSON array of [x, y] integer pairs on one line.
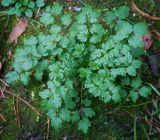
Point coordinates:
[[78, 61]]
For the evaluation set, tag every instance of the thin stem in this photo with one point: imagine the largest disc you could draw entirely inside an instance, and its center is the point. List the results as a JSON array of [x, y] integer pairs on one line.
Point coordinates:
[[153, 87], [23, 101], [148, 102]]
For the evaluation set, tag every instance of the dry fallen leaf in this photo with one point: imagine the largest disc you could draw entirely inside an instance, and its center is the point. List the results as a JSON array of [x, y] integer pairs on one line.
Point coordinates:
[[148, 40], [18, 30]]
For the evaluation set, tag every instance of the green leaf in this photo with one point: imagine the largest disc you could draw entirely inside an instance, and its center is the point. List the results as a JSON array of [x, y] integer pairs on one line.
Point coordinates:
[[136, 42], [122, 12], [93, 16], [140, 29], [31, 4], [86, 102], [6, 2], [11, 11], [24, 78], [12, 77], [87, 9], [47, 19], [131, 71], [65, 114], [125, 81], [40, 3], [89, 112], [38, 75], [28, 13], [133, 95], [66, 19], [116, 97], [32, 40], [83, 125], [75, 116], [136, 83], [44, 94], [110, 16], [56, 123], [56, 9], [81, 18], [145, 91]]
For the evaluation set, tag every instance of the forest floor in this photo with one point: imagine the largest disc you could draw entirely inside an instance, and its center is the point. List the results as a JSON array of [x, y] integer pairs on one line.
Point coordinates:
[[112, 122]]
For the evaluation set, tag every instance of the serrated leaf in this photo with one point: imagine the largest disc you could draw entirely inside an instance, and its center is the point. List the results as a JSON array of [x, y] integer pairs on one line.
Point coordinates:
[[86, 102], [125, 81], [145, 91], [12, 77], [88, 112], [31, 41], [65, 114], [131, 71], [133, 95], [140, 29], [75, 116], [44, 94], [83, 125], [136, 83], [110, 16], [122, 12], [116, 97], [47, 19], [31, 4], [28, 13], [24, 78], [66, 19], [56, 9], [38, 75], [40, 3]]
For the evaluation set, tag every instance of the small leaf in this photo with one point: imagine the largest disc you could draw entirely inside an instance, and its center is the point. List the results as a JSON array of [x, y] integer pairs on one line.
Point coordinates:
[[110, 16], [32, 40], [47, 19], [116, 97], [75, 116], [145, 91], [28, 13], [65, 114], [122, 12], [140, 29], [89, 112], [12, 77], [24, 78], [31, 4], [83, 125], [136, 83], [133, 95], [56, 9], [40, 3], [86, 102], [44, 94], [66, 19]]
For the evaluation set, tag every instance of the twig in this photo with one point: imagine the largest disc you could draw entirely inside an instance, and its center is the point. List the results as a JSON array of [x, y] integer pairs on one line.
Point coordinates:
[[4, 82], [16, 110], [143, 13], [23, 101], [2, 117], [48, 126]]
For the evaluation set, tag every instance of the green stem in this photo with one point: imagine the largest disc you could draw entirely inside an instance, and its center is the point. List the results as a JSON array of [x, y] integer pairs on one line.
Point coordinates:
[[148, 102], [154, 88]]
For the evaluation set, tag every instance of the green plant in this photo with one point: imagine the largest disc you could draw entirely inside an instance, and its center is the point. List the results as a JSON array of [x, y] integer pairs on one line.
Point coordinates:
[[20, 7], [80, 57]]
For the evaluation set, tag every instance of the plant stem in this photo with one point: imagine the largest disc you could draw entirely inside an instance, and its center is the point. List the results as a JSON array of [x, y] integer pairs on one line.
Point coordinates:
[[23, 101]]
